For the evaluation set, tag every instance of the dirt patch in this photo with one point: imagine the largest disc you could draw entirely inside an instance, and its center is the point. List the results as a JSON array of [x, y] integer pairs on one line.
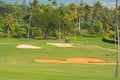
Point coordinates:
[[85, 60], [61, 44], [50, 61], [74, 60], [28, 46]]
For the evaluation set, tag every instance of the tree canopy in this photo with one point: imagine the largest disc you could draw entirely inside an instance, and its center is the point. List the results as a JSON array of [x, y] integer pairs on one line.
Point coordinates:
[[53, 20]]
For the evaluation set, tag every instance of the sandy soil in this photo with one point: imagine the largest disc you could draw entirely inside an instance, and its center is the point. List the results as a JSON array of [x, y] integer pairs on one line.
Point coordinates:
[[61, 44], [28, 46], [75, 60], [85, 60]]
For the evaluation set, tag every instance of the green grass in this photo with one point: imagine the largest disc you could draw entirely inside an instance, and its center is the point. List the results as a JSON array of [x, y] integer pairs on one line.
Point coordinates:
[[18, 64], [94, 41], [47, 71]]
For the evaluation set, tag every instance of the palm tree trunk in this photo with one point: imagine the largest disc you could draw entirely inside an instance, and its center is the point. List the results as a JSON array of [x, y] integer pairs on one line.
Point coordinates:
[[8, 32], [75, 32], [59, 30], [79, 23], [117, 59], [29, 26], [32, 33]]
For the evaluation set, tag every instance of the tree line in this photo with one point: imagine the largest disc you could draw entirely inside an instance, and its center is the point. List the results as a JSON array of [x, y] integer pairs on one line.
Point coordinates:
[[55, 20]]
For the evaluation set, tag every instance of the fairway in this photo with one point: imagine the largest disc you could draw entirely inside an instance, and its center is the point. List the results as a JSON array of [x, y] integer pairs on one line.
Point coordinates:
[[19, 64], [59, 40]]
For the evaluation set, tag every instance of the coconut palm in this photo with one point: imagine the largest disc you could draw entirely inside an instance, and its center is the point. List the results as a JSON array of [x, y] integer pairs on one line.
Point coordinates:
[[9, 23], [88, 13], [81, 3], [33, 7], [72, 12], [55, 3], [98, 8], [117, 30]]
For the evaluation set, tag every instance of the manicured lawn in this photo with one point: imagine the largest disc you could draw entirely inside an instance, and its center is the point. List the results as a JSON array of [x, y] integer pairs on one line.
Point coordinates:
[[19, 64], [50, 71]]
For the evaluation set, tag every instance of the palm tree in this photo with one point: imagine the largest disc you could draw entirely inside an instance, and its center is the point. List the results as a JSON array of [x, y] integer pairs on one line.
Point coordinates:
[[97, 10], [72, 12], [24, 7], [9, 23], [73, 15], [55, 3], [33, 7], [16, 2], [117, 31], [81, 3], [1, 25], [32, 12], [88, 13]]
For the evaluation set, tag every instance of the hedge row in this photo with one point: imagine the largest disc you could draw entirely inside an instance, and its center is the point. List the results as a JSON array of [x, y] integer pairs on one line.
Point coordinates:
[[109, 39]]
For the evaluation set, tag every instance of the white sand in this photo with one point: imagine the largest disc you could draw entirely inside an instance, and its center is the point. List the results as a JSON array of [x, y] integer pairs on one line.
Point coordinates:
[[28, 47], [61, 44]]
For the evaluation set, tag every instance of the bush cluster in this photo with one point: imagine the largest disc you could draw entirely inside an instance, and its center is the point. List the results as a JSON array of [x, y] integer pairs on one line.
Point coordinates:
[[109, 39]]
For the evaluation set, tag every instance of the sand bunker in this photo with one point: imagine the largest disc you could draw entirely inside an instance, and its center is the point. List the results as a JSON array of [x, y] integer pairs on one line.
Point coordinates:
[[85, 60], [73, 60], [28, 46], [61, 44]]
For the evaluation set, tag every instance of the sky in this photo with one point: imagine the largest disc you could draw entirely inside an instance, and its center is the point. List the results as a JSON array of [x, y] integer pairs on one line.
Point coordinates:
[[109, 3]]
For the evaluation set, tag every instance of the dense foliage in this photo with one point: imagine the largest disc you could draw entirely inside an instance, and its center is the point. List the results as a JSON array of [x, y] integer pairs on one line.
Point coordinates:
[[55, 20]]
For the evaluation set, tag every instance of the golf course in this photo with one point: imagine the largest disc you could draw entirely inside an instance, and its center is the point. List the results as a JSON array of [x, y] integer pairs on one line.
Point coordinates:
[[20, 63], [59, 40]]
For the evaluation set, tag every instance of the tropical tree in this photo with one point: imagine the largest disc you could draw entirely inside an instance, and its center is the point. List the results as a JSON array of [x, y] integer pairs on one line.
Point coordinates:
[[9, 23], [97, 10], [72, 12], [64, 18], [46, 22], [107, 24], [6, 9], [118, 36], [54, 3], [1, 26], [19, 31], [96, 28], [24, 7], [33, 7], [88, 13]]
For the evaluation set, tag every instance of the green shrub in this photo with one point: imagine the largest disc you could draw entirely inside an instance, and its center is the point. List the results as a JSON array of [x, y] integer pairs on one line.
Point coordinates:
[[109, 39], [4, 35]]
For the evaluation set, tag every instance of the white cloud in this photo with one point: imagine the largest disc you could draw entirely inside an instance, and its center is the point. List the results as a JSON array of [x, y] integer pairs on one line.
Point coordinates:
[[109, 4]]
